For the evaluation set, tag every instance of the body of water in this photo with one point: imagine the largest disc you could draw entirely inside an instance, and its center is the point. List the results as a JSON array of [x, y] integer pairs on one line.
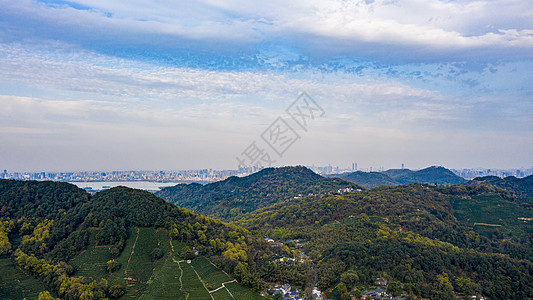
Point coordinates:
[[142, 185]]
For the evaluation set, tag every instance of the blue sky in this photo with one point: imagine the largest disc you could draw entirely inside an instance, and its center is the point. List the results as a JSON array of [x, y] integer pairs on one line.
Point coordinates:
[[105, 85]]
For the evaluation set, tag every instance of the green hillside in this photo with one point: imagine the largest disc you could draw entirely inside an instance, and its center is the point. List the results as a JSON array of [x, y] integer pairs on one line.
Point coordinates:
[[230, 198], [120, 243]]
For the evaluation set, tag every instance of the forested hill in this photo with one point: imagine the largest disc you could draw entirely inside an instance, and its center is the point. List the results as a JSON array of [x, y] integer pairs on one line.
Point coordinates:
[[39, 199], [367, 179], [429, 242], [521, 187], [114, 244], [431, 175], [234, 196], [392, 173]]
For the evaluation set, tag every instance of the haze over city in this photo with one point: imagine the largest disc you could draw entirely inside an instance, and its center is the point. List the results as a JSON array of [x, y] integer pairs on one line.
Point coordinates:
[[99, 85]]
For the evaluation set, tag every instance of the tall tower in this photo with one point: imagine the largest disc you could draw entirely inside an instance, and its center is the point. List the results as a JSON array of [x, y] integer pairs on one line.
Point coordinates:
[[402, 166]]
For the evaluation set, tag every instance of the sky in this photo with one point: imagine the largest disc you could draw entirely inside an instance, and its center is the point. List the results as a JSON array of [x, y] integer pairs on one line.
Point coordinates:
[[170, 85]]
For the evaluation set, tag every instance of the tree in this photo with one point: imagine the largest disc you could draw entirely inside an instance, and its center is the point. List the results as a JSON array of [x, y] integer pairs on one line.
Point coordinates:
[[463, 285], [5, 229], [115, 251], [394, 289], [113, 266], [286, 250], [344, 295], [5, 246], [46, 296], [443, 289], [186, 253], [350, 278], [116, 291]]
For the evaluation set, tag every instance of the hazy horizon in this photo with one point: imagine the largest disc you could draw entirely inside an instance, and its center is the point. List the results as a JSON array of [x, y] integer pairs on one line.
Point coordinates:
[[98, 85], [341, 168]]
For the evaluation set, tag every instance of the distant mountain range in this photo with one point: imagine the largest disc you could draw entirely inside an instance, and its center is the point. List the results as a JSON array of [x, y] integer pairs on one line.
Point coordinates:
[[392, 177], [235, 196]]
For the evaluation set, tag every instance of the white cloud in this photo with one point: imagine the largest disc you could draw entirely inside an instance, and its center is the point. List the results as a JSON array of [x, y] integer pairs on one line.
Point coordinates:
[[432, 28], [62, 95], [107, 76]]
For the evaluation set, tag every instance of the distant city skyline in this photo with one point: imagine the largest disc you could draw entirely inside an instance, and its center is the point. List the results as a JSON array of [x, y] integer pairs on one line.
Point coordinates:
[[210, 175], [107, 85]]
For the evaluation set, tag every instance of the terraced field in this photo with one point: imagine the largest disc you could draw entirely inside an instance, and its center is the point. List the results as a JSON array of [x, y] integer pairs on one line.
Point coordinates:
[[487, 210], [165, 282], [15, 284], [222, 294], [169, 277], [242, 293], [92, 263], [192, 284], [137, 265], [211, 275]]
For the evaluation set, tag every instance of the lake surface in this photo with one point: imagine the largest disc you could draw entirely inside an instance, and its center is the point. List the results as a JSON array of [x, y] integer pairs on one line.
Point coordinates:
[[142, 185]]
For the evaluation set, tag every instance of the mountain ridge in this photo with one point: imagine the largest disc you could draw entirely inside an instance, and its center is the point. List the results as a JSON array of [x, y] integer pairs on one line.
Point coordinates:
[[431, 175], [234, 196]]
